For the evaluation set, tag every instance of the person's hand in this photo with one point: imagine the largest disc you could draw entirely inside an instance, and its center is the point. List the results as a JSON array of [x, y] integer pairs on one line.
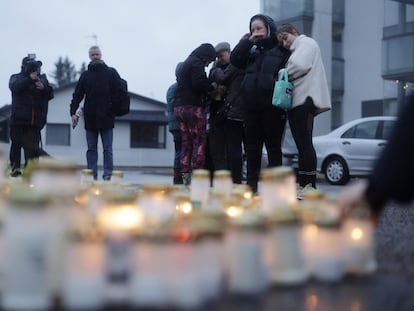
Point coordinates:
[[351, 196], [256, 36], [75, 120], [39, 85]]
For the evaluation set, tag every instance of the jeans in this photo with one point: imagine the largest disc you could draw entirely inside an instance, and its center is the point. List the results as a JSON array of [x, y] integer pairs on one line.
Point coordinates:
[[177, 149], [92, 152]]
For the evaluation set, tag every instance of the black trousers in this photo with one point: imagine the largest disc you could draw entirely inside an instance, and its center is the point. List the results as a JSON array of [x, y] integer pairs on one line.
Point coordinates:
[[263, 127], [26, 137], [234, 140], [301, 125]]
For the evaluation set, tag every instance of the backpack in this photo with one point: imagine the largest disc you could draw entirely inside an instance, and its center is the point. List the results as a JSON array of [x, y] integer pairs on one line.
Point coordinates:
[[120, 99]]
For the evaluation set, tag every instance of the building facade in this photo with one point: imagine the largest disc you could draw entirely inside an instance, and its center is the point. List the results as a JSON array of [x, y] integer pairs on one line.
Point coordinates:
[[141, 137], [367, 48]]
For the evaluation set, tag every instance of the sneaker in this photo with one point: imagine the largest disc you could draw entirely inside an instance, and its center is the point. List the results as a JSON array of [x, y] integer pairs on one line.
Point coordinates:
[[107, 177], [301, 191], [186, 179]]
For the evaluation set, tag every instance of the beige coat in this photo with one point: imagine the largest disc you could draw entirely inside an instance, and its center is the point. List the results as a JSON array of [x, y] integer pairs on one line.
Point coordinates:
[[307, 73]]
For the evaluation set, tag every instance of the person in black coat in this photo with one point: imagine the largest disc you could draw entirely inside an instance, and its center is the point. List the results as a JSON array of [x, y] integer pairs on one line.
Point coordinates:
[[97, 85], [392, 174], [193, 87], [261, 56], [31, 93]]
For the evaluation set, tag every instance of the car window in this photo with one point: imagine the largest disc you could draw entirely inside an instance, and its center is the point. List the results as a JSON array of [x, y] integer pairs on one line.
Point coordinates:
[[365, 130], [386, 129]]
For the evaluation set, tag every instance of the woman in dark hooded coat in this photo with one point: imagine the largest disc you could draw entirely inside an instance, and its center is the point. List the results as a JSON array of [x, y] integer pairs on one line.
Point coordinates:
[[261, 56], [190, 103]]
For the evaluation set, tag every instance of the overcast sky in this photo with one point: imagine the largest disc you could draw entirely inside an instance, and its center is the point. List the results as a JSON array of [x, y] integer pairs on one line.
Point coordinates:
[[143, 40]]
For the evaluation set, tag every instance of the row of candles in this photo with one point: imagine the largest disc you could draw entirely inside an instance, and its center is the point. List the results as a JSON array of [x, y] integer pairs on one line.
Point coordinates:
[[92, 244]]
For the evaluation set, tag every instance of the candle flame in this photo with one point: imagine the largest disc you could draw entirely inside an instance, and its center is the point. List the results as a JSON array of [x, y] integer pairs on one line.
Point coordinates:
[[356, 234], [234, 211]]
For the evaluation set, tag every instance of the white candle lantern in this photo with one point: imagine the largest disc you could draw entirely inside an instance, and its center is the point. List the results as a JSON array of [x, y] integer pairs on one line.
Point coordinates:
[[157, 202], [246, 272], [117, 176], [28, 229], [277, 188], [222, 182], [328, 257], [199, 188], [151, 259], [86, 176], [283, 251], [185, 276], [84, 272], [58, 177], [359, 242], [119, 218]]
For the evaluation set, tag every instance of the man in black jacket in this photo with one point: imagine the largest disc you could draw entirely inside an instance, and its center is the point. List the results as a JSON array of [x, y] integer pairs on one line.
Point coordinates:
[[97, 84], [31, 93]]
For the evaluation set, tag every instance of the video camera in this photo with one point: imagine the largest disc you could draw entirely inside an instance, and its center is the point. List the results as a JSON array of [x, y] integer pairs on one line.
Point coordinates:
[[30, 64]]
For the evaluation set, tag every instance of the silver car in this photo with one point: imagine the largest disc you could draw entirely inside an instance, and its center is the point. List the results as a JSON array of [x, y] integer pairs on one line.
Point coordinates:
[[351, 149]]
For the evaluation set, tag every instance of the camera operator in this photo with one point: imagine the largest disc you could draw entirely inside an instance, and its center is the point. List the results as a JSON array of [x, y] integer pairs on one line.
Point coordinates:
[[31, 93]]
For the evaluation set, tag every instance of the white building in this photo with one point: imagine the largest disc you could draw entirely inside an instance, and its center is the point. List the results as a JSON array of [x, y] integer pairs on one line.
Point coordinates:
[[141, 137]]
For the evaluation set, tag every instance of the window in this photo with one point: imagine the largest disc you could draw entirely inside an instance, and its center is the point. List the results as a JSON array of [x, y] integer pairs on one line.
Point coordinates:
[[386, 129], [58, 134], [148, 135], [365, 130]]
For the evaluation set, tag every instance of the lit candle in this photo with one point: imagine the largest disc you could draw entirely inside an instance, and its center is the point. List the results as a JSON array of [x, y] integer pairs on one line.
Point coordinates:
[[359, 243], [199, 188], [222, 182]]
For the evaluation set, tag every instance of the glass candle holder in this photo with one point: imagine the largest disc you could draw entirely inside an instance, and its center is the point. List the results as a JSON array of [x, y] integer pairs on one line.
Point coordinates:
[[28, 229], [277, 188], [284, 249], [328, 257], [84, 271], [86, 176], [359, 250], [245, 269], [222, 182], [151, 253], [199, 188], [117, 176], [157, 202]]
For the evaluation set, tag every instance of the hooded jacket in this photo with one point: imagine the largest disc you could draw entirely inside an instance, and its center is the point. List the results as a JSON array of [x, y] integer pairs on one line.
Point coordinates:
[[29, 105], [96, 84], [192, 82], [261, 61]]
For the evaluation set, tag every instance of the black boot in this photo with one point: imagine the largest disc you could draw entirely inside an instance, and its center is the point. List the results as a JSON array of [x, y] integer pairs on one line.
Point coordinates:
[[178, 178]]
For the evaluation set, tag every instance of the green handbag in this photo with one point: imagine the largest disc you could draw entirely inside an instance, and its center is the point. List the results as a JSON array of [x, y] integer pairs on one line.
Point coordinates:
[[282, 93]]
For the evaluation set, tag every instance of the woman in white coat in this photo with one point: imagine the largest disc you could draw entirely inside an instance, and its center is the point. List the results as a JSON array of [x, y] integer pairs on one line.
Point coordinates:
[[310, 97]]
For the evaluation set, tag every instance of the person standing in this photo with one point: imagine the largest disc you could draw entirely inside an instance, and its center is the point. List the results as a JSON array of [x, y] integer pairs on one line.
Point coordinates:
[[216, 136], [233, 125], [31, 93], [174, 129], [309, 98], [97, 85], [261, 56], [190, 108]]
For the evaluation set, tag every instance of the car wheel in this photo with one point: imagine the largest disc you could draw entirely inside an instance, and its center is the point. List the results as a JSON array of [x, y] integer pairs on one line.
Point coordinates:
[[336, 171]]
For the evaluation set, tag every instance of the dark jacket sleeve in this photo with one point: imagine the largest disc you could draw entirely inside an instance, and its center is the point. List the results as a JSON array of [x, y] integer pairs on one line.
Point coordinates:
[[19, 83], [47, 92], [199, 79], [392, 177], [240, 54], [78, 95]]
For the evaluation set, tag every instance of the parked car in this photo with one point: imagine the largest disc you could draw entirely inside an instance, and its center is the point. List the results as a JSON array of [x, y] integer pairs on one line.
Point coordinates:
[[350, 150]]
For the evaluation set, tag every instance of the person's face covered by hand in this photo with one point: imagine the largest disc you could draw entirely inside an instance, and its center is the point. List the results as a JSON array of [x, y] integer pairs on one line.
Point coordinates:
[[95, 55], [258, 30]]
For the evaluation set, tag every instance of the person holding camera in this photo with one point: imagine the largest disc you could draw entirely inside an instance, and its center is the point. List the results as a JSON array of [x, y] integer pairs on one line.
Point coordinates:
[[31, 93]]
